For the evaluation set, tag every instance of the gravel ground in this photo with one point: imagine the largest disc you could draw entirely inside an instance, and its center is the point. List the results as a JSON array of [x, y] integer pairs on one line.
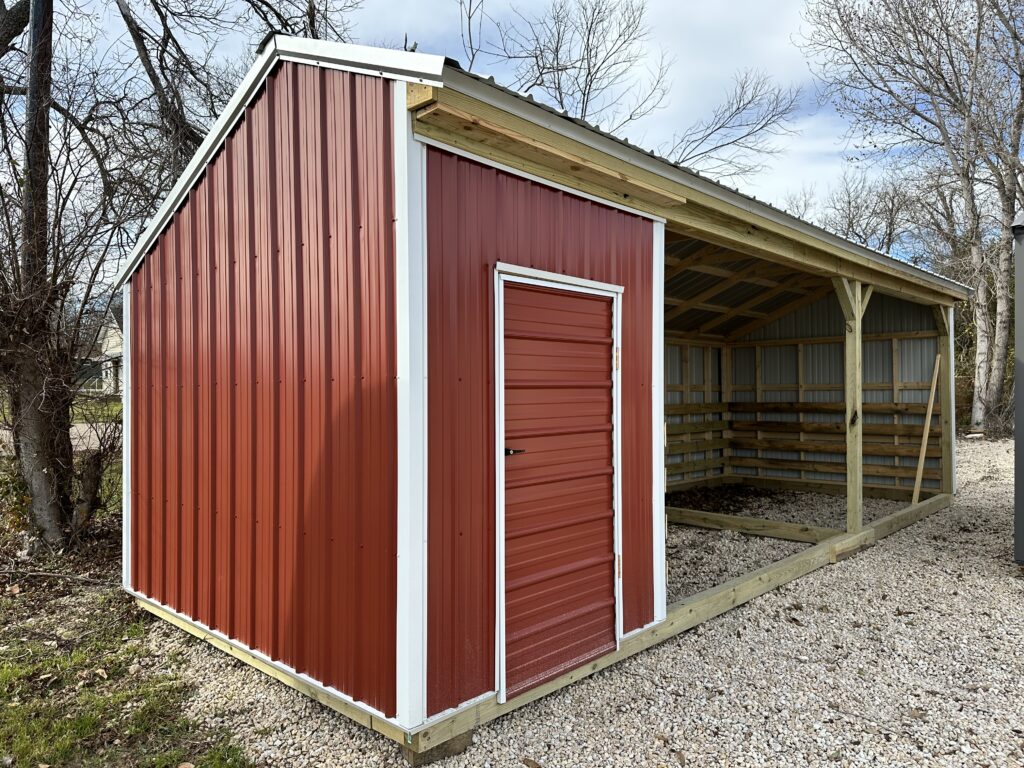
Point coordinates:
[[700, 558], [911, 653]]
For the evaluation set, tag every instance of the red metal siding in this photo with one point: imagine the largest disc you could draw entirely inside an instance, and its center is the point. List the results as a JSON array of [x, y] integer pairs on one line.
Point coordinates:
[[478, 216], [559, 493], [263, 388]]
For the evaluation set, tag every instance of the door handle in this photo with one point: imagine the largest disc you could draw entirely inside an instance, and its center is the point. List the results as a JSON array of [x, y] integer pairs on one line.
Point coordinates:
[[514, 451]]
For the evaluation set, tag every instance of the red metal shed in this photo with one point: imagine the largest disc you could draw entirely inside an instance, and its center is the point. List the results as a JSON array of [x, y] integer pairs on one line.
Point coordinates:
[[390, 407], [396, 425]]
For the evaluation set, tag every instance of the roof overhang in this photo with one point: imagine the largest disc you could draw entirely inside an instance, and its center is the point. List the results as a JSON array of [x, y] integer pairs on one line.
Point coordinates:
[[681, 196], [442, 91]]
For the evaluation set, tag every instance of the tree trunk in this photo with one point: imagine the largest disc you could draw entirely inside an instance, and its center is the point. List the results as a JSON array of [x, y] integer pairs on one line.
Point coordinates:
[[982, 334], [36, 437], [35, 441], [1000, 354]]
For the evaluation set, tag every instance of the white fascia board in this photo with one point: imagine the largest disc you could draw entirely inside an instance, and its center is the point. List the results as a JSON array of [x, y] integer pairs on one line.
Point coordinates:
[[394, 65], [539, 115], [384, 62]]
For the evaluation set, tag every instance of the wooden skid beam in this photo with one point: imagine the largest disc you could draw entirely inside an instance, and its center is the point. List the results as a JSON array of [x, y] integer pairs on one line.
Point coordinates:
[[909, 515], [774, 529], [292, 680], [682, 615]]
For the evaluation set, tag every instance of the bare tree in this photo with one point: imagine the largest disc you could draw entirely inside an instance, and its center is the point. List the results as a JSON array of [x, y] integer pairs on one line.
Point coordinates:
[[589, 58], [873, 212], [92, 135], [739, 136], [940, 84], [471, 15], [317, 19]]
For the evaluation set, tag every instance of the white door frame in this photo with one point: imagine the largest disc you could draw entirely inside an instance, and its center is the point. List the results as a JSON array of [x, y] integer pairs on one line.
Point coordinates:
[[509, 273]]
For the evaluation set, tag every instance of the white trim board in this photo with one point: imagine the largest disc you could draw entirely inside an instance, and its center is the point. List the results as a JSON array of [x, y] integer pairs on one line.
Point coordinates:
[[657, 425], [536, 179], [126, 435], [528, 276], [411, 459], [395, 65]]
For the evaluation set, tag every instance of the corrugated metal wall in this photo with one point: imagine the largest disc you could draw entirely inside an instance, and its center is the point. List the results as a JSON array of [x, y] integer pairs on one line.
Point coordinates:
[[912, 347], [692, 377], [478, 216], [263, 388]]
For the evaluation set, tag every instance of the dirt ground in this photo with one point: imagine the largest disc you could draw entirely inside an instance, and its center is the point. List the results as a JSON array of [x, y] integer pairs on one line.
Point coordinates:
[[909, 654]]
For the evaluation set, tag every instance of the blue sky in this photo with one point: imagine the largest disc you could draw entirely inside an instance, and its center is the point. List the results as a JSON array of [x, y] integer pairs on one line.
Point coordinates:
[[709, 42]]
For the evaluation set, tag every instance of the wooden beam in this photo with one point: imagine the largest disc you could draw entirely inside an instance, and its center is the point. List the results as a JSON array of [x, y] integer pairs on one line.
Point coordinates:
[[805, 300], [714, 290], [909, 515], [830, 467], [850, 297], [511, 139], [834, 446], [701, 256], [926, 428], [749, 305], [830, 487], [756, 526], [679, 306], [947, 425], [825, 428]]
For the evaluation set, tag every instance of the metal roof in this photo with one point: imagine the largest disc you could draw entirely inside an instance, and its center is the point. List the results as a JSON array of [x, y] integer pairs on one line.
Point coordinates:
[[712, 186], [445, 72]]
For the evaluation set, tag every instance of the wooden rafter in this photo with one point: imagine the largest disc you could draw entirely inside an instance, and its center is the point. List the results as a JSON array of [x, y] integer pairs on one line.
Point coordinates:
[[708, 306], [808, 298], [746, 308], [712, 291]]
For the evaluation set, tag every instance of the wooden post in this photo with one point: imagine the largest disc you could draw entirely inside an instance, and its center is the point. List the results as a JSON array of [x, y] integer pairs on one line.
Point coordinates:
[[853, 297], [944, 323]]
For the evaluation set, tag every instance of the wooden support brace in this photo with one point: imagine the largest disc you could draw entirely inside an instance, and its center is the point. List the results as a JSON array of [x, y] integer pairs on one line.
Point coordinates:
[[925, 429], [755, 526]]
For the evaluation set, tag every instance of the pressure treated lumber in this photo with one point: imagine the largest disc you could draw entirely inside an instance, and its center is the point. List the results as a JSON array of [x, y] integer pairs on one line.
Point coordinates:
[[774, 529], [682, 615], [499, 135], [834, 467], [852, 299], [924, 429], [910, 515]]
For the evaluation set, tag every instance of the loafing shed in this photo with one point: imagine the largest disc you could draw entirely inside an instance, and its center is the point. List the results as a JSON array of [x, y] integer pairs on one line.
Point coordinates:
[[414, 360]]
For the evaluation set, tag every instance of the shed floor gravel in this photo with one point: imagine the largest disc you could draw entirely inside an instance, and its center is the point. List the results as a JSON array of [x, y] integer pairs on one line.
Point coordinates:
[[911, 653]]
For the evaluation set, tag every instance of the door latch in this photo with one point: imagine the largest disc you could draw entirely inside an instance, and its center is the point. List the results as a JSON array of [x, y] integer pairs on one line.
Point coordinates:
[[514, 451]]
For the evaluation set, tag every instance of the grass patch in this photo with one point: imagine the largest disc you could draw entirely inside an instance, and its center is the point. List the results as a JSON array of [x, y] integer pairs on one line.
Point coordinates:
[[73, 690], [96, 410]]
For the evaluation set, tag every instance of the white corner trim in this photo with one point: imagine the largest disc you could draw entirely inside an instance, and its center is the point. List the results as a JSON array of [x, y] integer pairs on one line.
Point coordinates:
[[126, 435], [657, 424], [951, 352], [394, 65], [535, 179], [411, 358]]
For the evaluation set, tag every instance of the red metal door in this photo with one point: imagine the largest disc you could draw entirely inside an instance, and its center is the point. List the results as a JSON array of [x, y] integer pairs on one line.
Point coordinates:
[[559, 521]]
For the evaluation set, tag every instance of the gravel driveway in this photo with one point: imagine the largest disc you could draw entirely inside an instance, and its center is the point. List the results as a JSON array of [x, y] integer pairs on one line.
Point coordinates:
[[911, 653]]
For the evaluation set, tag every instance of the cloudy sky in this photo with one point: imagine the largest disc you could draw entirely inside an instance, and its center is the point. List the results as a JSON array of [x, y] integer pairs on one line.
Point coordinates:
[[708, 41]]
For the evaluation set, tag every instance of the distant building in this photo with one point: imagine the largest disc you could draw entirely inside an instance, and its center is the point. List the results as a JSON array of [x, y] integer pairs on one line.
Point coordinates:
[[100, 372]]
